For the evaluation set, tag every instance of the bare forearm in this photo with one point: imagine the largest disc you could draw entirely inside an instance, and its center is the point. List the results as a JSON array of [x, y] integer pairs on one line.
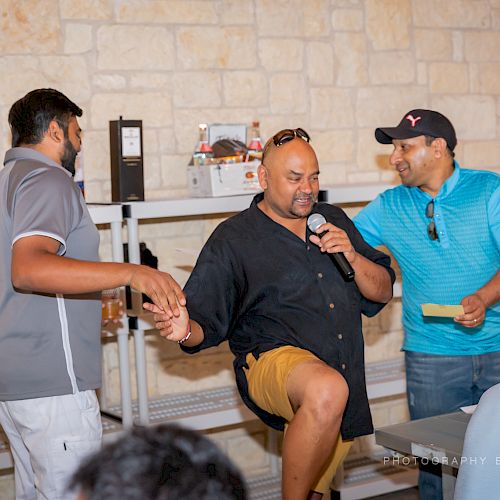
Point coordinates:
[[490, 293], [373, 280], [54, 274]]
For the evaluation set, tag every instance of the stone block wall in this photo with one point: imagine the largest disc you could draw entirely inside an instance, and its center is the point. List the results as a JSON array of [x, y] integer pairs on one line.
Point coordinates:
[[338, 68]]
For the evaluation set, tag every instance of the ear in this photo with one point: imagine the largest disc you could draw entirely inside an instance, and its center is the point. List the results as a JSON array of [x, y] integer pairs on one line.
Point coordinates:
[[439, 147], [262, 175], [55, 132]]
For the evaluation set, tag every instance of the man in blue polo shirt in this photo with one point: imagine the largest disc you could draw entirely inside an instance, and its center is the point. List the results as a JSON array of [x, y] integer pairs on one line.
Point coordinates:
[[443, 227]]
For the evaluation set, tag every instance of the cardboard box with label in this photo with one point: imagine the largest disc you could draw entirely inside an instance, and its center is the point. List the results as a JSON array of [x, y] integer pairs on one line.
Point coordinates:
[[223, 179]]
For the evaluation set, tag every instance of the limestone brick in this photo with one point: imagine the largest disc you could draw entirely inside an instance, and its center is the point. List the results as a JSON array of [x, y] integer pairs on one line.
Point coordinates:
[[481, 154], [421, 73], [347, 20], [448, 78], [433, 44], [95, 149], [29, 27], [359, 177], [350, 53], [166, 140], [315, 15], [333, 173], [187, 120], [173, 170], [346, 3], [236, 12], [384, 106], [472, 116], [320, 66], [279, 18], [271, 123], [398, 412], [331, 108], [388, 23], [281, 54], [392, 68], [20, 74], [482, 46], [150, 138], [495, 19], [159, 81], [77, 38], [109, 82], [152, 170], [197, 89], [86, 9], [134, 47], [446, 14], [98, 191], [390, 317], [69, 74], [288, 93], [334, 146], [458, 45], [154, 109], [210, 47], [245, 87], [173, 11], [371, 156], [389, 177]]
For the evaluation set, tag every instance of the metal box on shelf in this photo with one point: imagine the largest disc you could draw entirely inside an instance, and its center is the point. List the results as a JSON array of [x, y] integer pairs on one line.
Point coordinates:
[[223, 179]]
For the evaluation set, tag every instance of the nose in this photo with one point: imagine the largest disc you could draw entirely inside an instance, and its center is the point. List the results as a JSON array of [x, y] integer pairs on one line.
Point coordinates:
[[306, 186], [395, 158]]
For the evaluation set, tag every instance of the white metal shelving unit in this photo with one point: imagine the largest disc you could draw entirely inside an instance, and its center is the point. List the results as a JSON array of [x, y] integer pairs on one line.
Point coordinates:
[[112, 214]]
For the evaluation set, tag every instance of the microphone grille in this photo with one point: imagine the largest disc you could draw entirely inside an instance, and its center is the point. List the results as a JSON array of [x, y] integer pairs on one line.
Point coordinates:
[[314, 221]]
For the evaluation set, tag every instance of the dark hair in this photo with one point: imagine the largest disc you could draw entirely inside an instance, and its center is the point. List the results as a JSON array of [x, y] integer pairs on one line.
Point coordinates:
[[30, 116], [159, 463], [429, 139]]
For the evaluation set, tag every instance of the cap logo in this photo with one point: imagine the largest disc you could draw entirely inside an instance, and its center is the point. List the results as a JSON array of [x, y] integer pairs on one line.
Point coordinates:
[[413, 120]]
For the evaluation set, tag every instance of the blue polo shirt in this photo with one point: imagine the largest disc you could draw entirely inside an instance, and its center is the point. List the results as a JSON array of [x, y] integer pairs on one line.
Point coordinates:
[[465, 258]]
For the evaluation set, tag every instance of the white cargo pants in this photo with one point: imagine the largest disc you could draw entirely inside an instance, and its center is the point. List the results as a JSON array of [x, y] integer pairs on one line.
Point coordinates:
[[48, 438]]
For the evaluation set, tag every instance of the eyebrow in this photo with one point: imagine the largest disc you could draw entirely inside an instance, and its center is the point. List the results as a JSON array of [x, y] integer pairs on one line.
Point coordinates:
[[301, 174]]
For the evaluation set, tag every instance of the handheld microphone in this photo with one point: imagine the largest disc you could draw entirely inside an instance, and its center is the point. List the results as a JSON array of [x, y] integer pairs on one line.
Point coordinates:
[[339, 259]]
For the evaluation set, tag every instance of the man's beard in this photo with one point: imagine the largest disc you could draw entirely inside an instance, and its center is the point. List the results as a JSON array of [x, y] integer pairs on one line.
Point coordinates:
[[69, 156]]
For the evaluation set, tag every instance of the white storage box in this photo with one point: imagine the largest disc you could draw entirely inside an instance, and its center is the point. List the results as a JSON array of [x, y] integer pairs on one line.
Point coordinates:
[[223, 179]]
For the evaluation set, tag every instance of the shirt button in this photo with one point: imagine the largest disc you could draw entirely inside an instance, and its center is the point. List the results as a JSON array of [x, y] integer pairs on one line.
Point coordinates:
[[339, 336], [308, 248], [320, 275], [331, 306], [342, 366]]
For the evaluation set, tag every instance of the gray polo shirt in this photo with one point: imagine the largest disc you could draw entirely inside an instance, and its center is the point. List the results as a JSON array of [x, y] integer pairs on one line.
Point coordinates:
[[49, 344]]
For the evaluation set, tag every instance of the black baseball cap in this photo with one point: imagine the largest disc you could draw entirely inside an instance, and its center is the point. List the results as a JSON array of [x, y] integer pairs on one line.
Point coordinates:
[[419, 122]]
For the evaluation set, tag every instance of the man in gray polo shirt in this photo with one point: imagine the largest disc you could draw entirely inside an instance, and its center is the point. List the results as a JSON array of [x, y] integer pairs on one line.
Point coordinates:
[[50, 310]]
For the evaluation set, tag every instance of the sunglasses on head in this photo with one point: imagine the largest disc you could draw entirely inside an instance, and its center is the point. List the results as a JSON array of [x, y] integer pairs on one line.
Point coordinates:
[[288, 135], [431, 228]]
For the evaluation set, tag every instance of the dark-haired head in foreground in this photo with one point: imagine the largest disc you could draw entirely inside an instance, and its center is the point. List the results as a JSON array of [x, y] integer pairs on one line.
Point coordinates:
[[156, 463]]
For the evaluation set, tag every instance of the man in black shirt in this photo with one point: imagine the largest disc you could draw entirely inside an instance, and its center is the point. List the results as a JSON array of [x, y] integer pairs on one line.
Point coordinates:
[[266, 284]]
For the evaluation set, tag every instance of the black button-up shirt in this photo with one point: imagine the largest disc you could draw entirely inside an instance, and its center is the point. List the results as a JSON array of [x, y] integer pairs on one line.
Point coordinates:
[[259, 286]]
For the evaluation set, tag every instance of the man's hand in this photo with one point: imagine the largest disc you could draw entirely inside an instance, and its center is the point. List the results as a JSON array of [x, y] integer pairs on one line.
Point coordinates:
[[474, 311], [163, 290], [334, 241], [173, 328]]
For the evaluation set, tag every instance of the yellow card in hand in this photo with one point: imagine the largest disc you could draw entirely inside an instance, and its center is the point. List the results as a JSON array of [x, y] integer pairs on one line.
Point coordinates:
[[443, 311]]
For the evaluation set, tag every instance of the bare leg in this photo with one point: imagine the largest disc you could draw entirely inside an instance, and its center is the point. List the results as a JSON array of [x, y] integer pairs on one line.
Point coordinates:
[[318, 395]]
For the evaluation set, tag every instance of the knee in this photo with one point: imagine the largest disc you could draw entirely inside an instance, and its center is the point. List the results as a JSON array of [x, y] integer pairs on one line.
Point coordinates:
[[327, 397]]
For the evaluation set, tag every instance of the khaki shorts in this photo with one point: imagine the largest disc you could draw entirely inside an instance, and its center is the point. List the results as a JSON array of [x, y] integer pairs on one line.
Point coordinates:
[[267, 378]]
